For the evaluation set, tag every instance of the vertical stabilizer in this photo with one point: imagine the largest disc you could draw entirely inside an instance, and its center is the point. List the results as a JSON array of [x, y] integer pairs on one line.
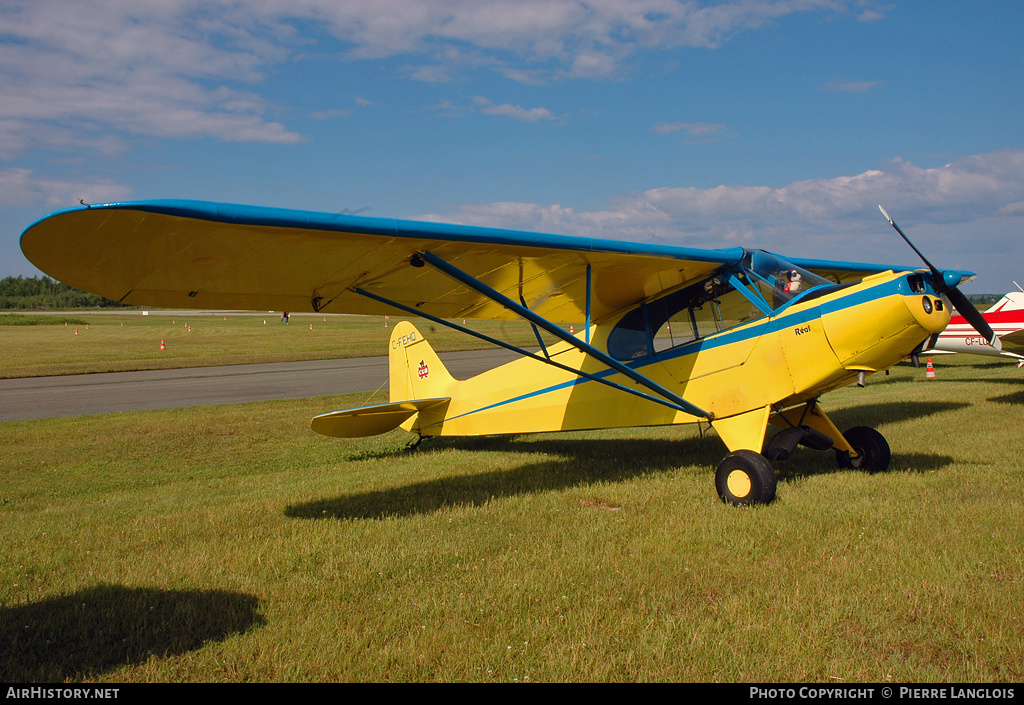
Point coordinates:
[[1013, 301], [416, 372]]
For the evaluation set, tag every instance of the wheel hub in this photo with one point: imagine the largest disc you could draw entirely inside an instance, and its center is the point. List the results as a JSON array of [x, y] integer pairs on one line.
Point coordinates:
[[738, 483]]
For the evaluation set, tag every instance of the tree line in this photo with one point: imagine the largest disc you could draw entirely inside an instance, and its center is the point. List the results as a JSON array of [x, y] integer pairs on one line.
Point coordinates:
[[42, 293]]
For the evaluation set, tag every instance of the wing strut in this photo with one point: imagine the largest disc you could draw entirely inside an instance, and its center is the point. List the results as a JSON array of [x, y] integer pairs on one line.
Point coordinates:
[[540, 341], [586, 326], [525, 353], [481, 288]]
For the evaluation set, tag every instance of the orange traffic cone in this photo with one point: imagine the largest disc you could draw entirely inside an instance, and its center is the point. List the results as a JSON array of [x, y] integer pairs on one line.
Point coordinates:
[[162, 346], [929, 370], [571, 329]]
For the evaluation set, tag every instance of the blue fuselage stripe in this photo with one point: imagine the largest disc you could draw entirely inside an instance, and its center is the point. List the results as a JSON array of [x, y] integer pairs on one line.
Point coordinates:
[[752, 330]]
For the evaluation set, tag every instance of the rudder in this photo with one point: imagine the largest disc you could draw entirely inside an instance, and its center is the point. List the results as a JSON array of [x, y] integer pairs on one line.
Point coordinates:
[[1013, 301], [416, 372]]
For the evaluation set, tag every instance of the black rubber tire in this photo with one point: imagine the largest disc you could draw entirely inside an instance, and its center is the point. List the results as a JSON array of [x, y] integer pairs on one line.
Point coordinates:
[[873, 450], [745, 477]]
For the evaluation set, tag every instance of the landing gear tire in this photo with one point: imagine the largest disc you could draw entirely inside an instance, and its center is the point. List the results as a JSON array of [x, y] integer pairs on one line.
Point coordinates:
[[872, 449], [745, 477]]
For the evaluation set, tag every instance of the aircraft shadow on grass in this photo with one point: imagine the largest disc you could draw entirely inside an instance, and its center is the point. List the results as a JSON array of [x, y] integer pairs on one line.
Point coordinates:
[[1000, 364], [1016, 380], [579, 462], [890, 412], [98, 629], [1012, 398], [918, 372]]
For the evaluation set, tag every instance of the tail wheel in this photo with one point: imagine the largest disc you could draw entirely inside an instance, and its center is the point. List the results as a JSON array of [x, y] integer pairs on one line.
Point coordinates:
[[745, 477], [872, 449]]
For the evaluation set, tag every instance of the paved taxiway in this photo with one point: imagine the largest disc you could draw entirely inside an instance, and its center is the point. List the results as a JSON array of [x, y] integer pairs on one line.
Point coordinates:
[[79, 395]]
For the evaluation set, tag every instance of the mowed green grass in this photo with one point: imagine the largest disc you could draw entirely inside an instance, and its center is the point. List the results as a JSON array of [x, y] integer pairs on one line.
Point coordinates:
[[233, 544], [116, 342]]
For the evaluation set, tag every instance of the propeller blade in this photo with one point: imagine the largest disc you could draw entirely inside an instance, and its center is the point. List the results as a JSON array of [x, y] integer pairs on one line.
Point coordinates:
[[935, 271], [973, 316], [960, 302]]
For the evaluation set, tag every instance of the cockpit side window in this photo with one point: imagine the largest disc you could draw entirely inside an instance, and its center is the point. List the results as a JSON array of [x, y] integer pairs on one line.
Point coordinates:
[[680, 317], [630, 338], [711, 307]]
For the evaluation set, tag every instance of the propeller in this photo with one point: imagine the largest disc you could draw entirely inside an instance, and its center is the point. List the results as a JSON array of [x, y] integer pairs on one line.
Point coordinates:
[[945, 283]]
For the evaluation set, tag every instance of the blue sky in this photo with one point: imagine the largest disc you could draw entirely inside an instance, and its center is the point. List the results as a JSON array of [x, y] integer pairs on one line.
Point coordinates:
[[779, 124]]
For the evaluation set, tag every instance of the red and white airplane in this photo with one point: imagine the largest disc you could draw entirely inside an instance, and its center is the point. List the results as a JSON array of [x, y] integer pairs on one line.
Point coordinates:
[[1006, 318]]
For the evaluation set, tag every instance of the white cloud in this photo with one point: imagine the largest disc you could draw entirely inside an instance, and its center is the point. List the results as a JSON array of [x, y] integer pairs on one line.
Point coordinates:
[[830, 218], [22, 187], [185, 68], [873, 14], [532, 77], [514, 111], [1012, 209], [142, 68], [330, 114], [586, 37], [697, 132], [593, 64], [437, 73]]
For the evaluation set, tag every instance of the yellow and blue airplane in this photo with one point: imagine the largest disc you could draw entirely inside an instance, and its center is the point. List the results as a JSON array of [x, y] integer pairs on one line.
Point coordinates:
[[740, 339]]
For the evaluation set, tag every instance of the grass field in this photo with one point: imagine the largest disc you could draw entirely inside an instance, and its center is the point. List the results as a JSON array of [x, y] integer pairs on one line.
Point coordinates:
[[233, 544], [117, 342]]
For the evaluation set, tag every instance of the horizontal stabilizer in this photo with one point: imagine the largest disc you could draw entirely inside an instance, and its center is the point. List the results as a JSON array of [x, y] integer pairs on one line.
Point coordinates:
[[371, 420]]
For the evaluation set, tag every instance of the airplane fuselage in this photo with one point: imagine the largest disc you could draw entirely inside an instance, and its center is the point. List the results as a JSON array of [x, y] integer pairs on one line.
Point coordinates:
[[775, 361], [1007, 320]]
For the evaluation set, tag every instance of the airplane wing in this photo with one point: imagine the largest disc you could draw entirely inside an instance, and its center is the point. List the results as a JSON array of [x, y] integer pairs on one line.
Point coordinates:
[[208, 255], [194, 254], [1013, 342], [842, 272]]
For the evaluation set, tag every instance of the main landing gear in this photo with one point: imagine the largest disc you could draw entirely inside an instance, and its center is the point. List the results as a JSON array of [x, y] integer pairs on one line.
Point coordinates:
[[746, 477], [872, 449]]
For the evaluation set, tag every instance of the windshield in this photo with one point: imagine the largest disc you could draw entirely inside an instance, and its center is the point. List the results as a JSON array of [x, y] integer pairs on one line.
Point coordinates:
[[777, 280]]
